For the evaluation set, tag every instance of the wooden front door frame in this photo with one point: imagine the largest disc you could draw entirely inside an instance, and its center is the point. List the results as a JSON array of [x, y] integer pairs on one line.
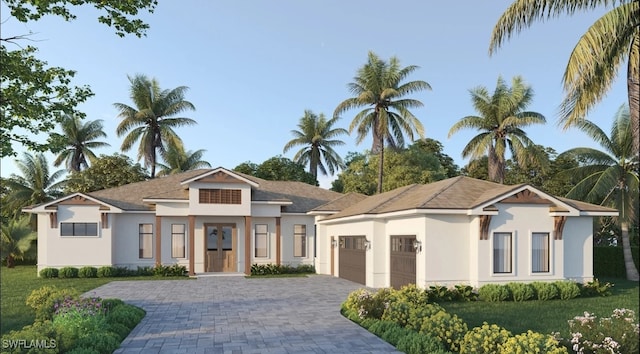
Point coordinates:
[[234, 242]]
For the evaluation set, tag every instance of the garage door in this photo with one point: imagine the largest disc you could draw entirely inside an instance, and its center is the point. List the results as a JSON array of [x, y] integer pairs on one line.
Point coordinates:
[[403, 261], [352, 258]]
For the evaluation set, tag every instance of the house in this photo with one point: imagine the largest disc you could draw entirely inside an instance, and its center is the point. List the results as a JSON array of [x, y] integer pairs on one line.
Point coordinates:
[[460, 230], [212, 220]]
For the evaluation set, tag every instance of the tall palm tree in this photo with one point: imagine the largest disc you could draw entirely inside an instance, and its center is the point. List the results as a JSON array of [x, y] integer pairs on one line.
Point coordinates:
[[16, 238], [80, 139], [35, 185], [595, 60], [610, 176], [315, 135], [500, 123], [151, 119], [178, 160], [378, 86]]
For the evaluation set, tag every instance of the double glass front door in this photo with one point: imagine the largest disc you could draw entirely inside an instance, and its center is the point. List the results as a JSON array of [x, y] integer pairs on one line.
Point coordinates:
[[221, 243]]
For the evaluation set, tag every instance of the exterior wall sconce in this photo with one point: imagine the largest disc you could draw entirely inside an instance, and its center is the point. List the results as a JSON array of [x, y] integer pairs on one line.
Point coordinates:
[[367, 244], [417, 246], [334, 243]]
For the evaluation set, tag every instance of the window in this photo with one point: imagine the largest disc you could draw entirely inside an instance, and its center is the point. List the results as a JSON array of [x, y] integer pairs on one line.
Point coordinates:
[[502, 252], [262, 241], [220, 196], [540, 252], [79, 229], [178, 240], [300, 240], [145, 234]]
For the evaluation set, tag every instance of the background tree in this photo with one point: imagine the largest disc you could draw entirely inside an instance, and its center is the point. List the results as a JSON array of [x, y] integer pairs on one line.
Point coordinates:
[[105, 172], [278, 168], [177, 160], [595, 60], [379, 87], [415, 164], [17, 240], [36, 184], [610, 176], [500, 123], [35, 97], [316, 136], [151, 121], [80, 139], [436, 148]]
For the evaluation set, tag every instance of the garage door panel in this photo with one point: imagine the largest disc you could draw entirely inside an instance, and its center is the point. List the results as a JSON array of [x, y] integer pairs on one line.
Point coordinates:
[[403, 261], [352, 259]]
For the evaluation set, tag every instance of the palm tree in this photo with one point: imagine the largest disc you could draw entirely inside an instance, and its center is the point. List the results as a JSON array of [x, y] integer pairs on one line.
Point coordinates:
[[500, 123], [315, 136], [610, 176], [378, 87], [178, 160], [595, 60], [16, 239], [80, 139], [36, 185], [151, 121]]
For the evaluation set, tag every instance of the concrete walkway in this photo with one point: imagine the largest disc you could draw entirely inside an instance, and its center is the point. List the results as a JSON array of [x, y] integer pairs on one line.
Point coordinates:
[[239, 315]]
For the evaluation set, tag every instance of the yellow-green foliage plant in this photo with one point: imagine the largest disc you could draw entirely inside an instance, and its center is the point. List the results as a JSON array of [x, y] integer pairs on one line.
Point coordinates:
[[485, 339], [532, 342], [450, 329]]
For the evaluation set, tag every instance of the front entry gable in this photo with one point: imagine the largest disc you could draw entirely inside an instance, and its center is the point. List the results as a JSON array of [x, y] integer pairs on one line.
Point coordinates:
[[220, 175], [528, 195]]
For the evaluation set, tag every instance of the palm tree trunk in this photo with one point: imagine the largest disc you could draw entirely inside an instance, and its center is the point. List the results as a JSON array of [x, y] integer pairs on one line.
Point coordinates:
[[629, 265], [380, 165], [494, 167], [633, 88], [10, 261]]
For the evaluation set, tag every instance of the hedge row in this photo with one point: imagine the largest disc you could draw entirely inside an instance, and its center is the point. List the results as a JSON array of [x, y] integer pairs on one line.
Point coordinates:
[[609, 261], [175, 270]]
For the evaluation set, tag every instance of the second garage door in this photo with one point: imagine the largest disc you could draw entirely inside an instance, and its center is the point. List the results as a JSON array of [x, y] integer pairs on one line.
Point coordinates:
[[352, 263], [403, 261]]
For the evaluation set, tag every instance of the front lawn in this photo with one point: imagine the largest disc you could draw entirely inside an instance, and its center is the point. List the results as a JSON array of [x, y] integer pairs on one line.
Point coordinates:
[[545, 316], [17, 283]]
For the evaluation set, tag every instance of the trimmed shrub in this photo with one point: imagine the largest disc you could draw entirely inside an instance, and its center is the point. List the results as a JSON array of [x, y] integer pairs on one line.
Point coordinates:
[[88, 272], [106, 272], [463, 292], [494, 293], [409, 315], [393, 334], [419, 343], [532, 342], [49, 273], [127, 315], [595, 288], [380, 327], [450, 330], [567, 289], [411, 294], [124, 272], [44, 300], [83, 351], [109, 304], [521, 291], [440, 293], [484, 340], [545, 291], [144, 271], [609, 262], [42, 332], [100, 342], [367, 304], [68, 272]]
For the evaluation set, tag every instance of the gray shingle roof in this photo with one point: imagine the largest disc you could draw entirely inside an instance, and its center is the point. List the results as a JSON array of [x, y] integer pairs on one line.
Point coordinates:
[[130, 197], [454, 193]]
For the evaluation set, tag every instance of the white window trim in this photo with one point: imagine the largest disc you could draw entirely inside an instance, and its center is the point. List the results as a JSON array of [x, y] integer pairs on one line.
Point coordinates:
[[186, 241], [514, 258], [551, 254], [98, 233], [306, 244], [268, 246]]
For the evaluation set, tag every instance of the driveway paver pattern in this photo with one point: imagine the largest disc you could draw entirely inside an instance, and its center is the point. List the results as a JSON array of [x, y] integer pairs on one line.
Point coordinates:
[[233, 314]]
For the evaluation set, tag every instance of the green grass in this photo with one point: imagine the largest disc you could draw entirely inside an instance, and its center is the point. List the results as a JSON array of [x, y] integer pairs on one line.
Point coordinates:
[[17, 283], [546, 316]]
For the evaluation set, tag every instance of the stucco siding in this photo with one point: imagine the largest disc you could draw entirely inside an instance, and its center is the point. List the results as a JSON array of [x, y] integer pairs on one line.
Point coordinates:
[[578, 248], [126, 240], [445, 250], [172, 209], [287, 230], [77, 251], [355, 228], [195, 208], [265, 210], [271, 243], [406, 227]]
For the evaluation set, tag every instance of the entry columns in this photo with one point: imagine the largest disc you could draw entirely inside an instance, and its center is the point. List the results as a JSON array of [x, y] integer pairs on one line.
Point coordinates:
[[158, 241], [247, 245], [192, 245]]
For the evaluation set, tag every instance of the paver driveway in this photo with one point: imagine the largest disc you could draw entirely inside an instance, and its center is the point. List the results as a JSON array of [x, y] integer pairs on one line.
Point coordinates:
[[232, 314]]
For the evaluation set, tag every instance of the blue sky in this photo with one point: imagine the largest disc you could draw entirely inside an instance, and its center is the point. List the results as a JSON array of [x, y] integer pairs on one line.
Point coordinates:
[[253, 67]]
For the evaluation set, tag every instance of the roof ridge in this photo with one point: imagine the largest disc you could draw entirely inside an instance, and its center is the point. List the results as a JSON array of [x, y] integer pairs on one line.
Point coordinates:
[[444, 188], [396, 196]]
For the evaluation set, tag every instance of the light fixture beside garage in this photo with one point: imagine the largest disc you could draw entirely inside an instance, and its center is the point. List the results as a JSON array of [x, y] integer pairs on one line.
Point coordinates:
[[417, 245], [367, 244]]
